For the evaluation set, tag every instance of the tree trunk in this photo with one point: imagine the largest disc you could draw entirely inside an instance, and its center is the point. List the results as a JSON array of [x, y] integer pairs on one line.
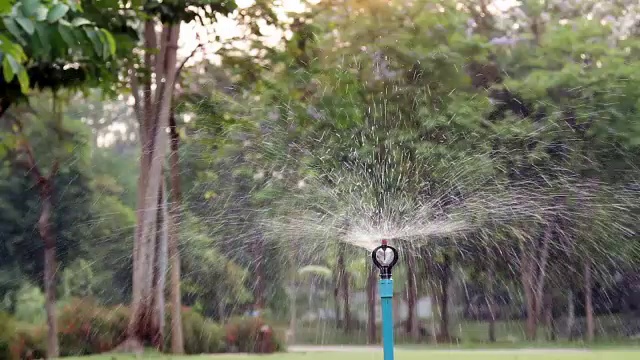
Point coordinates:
[[533, 265], [336, 299], [149, 262], [445, 276], [548, 316], [343, 275], [412, 299], [294, 316], [50, 267], [177, 340], [526, 273], [160, 262], [491, 301], [571, 314], [588, 302], [371, 306]]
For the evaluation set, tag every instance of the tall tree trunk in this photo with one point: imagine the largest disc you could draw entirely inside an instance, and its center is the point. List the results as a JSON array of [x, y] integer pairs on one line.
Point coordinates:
[[293, 308], [177, 340], [149, 262], [588, 301], [50, 267], [445, 276], [526, 273], [534, 256], [336, 299], [491, 300], [548, 316], [571, 314], [160, 262], [412, 299], [343, 275], [371, 305]]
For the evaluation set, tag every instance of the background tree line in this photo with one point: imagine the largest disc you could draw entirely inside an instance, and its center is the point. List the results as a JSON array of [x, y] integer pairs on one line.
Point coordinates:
[[149, 175]]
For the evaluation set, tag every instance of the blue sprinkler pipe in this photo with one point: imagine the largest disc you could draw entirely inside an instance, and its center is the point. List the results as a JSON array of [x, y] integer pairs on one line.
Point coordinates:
[[385, 257]]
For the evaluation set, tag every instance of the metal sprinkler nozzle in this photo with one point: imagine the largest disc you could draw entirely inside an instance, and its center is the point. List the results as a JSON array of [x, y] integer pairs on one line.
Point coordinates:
[[384, 258]]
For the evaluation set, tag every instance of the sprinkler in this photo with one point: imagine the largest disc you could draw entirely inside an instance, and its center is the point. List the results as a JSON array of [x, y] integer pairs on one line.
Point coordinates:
[[384, 258]]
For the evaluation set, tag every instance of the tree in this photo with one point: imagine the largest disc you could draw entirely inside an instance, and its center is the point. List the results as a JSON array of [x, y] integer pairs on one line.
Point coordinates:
[[153, 108], [51, 35]]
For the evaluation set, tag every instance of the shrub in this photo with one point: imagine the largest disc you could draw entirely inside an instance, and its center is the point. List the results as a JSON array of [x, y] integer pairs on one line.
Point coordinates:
[[17, 341], [86, 328], [7, 335], [245, 335], [201, 336], [30, 342]]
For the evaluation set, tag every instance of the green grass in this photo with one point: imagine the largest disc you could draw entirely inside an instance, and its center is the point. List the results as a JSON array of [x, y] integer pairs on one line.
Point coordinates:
[[400, 355], [510, 333]]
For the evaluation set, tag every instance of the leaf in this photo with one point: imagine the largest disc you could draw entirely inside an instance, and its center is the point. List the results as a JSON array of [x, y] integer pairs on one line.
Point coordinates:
[[30, 7], [67, 35], [57, 12], [110, 41], [43, 36], [26, 24], [41, 13], [95, 40], [23, 79], [5, 7], [106, 51], [80, 22], [10, 67], [7, 71], [13, 28]]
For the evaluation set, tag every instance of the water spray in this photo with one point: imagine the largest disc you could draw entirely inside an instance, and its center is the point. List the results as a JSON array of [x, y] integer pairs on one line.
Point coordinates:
[[384, 258]]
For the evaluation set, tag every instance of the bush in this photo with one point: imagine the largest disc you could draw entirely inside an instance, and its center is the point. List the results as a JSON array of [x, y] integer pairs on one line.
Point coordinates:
[[245, 335], [86, 328], [30, 342], [201, 336], [17, 342], [7, 335]]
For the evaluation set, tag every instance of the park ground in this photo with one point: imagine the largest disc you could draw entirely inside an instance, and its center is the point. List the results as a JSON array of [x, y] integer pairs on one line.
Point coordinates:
[[356, 353]]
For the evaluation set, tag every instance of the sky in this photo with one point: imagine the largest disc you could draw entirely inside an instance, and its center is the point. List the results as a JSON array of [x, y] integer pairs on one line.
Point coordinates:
[[228, 28]]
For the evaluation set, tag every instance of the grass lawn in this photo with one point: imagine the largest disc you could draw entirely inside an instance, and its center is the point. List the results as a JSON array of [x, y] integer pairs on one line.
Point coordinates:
[[404, 355]]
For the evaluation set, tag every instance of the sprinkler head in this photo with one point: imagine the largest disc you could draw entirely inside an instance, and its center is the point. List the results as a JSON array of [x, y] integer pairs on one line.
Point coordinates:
[[384, 258]]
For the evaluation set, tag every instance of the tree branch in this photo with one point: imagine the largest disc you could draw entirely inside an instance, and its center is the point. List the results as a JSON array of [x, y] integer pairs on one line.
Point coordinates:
[[182, 64], [30, 164], [135, 91]]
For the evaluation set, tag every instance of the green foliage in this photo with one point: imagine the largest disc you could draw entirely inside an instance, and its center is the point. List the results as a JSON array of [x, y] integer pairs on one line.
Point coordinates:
[[175, 11], [86, 328], [78, 280], [245, 334], [202, 336], [29, 341], [7, 334], [92, 223], [203, 262], [38, 38], [29, 305]]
